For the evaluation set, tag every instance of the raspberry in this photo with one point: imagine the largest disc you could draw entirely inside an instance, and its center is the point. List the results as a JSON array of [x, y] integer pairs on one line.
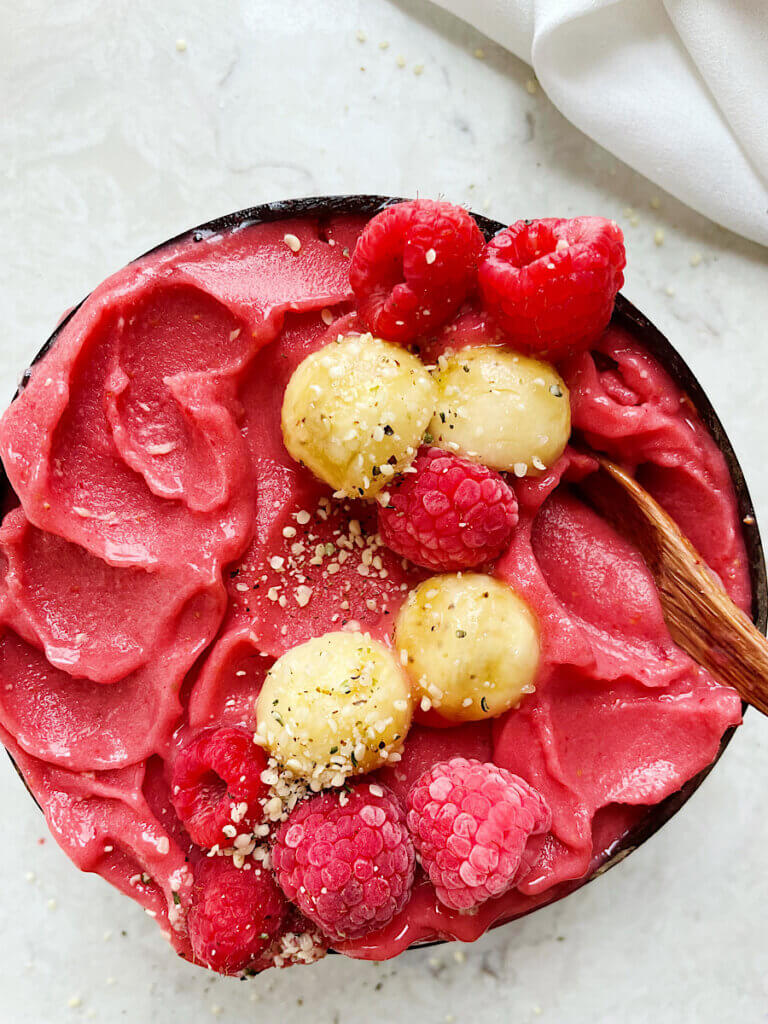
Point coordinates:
[[235, 915], [450, 514], [413, 266], [217, 783], [470, 822], [346, 860], [550, 284]]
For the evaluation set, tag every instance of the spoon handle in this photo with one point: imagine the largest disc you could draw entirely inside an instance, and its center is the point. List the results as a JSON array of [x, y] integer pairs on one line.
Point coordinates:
[[701, 617]]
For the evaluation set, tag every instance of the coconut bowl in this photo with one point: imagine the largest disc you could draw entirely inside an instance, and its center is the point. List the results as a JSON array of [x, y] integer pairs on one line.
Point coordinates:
[[625, 315]]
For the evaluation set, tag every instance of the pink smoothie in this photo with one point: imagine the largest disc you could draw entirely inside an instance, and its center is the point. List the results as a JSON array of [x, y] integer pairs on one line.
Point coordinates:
[[149, 585]]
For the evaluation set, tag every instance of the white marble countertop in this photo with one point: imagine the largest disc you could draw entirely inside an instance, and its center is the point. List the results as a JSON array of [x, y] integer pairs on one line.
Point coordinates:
[[127, 121]]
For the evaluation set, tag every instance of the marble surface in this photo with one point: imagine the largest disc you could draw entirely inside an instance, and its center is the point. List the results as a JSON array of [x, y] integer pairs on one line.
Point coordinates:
[[126, 122]]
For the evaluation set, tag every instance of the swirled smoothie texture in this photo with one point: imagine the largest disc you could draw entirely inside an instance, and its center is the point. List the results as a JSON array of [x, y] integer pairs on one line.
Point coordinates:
[[166, 550]]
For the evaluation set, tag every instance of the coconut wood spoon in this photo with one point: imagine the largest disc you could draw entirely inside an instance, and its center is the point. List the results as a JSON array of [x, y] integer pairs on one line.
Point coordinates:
[[702, 619]]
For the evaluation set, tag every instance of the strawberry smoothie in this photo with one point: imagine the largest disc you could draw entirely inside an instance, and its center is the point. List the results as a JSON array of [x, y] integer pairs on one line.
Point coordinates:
[[165, 551]]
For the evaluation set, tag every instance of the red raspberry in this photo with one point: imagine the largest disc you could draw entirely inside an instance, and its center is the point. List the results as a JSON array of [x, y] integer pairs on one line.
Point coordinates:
[[551, 284], [450, 514], [235, 915], [346, 860], [214, 776], [413, 266], [470, 822]]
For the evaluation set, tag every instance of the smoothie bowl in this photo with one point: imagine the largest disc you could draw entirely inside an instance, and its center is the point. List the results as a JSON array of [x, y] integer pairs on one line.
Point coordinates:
[[309, 640]]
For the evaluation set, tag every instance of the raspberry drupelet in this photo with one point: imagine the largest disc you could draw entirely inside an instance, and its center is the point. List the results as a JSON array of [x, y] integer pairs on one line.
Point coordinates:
[[551, 284], [217, 785], [413, 266], [470, 822], [448, 513], [346, 860]]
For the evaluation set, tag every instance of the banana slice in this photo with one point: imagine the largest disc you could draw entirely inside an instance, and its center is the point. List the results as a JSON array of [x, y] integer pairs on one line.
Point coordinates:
[[470, 644], [355, 413], [502, 409], [337, 705]]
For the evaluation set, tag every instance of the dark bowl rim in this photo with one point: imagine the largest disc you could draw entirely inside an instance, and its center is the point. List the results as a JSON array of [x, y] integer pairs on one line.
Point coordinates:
[[626, 315]]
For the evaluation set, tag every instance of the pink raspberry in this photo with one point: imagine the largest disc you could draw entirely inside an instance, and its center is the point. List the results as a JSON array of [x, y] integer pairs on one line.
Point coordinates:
[[470, 822], [450, 514], [551, 284], [217, 782], [346, 860], [413, 266], [235, 915]]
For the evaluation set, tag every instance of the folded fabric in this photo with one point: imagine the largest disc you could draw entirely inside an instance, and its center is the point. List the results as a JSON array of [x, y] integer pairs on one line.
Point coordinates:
[[676, 89]]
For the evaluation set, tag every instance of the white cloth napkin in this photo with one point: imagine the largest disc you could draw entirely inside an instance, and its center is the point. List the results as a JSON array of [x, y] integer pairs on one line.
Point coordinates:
[[678, 89]]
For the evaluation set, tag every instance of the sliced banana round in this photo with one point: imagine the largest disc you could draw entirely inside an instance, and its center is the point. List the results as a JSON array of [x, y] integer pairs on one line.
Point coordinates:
[[470, 644], [338, 705], [355, 413], [501, 408]]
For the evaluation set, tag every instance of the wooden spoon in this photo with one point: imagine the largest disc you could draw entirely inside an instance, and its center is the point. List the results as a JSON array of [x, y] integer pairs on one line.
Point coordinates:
[[701, 617]]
